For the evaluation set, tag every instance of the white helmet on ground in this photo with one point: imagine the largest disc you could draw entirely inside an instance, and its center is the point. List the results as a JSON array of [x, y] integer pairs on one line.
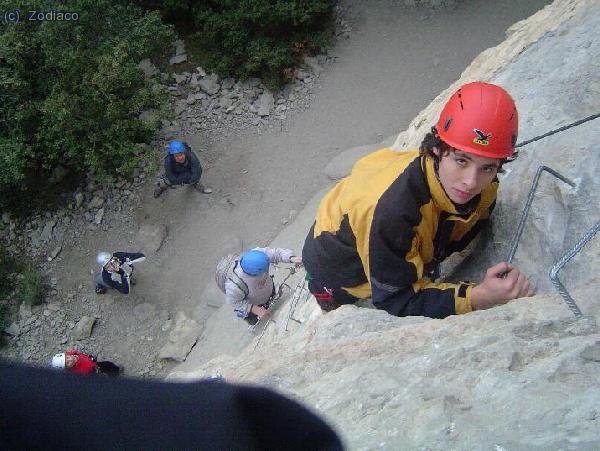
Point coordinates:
[[103, 258], [58, 361]]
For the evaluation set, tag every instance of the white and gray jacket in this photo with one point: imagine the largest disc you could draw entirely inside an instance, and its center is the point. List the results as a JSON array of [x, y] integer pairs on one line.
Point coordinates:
[[260, 287]]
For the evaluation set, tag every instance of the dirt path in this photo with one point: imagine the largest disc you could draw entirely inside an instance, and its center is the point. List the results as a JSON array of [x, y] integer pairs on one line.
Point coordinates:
[[396, 60]]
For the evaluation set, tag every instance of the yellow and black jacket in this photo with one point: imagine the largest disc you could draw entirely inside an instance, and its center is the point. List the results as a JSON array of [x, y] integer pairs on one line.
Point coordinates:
[[381, 229]]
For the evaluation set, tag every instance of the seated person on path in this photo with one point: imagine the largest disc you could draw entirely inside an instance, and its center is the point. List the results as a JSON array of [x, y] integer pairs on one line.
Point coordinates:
[[181, 168], [117, 271], [79, 362], [382, 231], [251, 287]]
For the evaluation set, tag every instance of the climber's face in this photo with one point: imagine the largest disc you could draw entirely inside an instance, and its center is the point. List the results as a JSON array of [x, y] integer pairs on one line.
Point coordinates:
[[179, 157], [464, 175]]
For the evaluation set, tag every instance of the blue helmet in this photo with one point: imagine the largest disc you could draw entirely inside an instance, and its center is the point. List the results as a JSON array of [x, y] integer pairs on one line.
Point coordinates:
[[176, 146], [254, 262]]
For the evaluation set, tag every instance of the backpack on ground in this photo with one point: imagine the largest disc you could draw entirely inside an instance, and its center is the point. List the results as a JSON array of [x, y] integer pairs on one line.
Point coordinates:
[[225, 271]]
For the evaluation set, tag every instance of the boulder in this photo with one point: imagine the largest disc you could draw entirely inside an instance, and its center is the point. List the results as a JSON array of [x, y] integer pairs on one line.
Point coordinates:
[[182, 338], [99, 216], [178, 59], [210, 84], [83, 328], [46, 234], [264, 104], [148, 68]]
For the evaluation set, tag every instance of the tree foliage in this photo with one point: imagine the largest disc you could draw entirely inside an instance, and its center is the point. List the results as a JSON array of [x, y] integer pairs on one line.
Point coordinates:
[[251, 38], [262, 38], [71, 92]]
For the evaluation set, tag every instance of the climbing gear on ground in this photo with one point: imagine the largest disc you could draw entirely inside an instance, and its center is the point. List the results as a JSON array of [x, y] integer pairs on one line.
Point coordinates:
[[225, 271], [103, 258], [58, 361], [480, 118], [563, 261], [254, 263], [176, 146]]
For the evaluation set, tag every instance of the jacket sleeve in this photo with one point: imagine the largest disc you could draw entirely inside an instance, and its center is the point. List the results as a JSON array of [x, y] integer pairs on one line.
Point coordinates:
[[123, 256], [195, 169], [277, 254], [236, 297], [122, 287], [396, 271]]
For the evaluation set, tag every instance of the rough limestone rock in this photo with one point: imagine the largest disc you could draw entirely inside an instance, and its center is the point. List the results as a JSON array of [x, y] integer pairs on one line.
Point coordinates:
[[79, 196], [151, 237], [83, 329], [520, 376], [47, 231], [96, 202], [179, 47], [99, 216], [149, 69], [210, 84], [181, 339], [264, 104], [178, 59], [213, 296]]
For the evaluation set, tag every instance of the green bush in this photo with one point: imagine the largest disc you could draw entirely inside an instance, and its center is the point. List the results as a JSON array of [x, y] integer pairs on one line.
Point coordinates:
[[31, 286], [71, 93], [262, 38], [20, 281], [7, 268], [4, 316]]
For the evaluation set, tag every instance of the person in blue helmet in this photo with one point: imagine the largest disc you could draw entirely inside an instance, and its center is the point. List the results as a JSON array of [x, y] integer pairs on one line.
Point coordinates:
[[181, 168], [250, 287]]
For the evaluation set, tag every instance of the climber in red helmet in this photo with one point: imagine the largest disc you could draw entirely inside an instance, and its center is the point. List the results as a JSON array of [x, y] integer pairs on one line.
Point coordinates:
[[382, 231]]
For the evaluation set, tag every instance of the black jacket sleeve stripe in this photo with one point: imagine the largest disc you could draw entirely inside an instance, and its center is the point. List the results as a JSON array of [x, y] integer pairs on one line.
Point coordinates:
[[391, 239]]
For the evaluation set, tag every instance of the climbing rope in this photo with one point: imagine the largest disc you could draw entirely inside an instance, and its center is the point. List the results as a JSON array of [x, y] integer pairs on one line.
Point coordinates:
[[558, 130]]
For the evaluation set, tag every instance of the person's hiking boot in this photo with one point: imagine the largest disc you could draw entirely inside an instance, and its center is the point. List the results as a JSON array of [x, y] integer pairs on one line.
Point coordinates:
[[251, 319], [200, 187], [158, 191]]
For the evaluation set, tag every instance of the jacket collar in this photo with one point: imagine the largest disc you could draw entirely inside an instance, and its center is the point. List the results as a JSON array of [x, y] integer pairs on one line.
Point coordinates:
[[439, 196]]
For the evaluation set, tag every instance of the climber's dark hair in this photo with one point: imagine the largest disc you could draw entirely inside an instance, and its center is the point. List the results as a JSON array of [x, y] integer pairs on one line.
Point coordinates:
[[432, 139]]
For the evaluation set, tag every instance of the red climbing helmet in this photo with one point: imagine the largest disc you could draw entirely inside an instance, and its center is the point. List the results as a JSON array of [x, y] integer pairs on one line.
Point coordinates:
[[480, 118]]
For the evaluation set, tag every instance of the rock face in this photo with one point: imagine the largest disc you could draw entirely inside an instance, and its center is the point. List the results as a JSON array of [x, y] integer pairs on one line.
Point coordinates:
[[520, 376]]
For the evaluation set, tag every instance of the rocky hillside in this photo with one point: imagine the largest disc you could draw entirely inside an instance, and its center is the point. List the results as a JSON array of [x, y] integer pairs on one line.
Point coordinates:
[[520, 376]]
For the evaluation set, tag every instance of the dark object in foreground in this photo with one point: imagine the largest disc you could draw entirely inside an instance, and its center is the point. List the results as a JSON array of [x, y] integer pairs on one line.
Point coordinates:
[[45, 409]]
